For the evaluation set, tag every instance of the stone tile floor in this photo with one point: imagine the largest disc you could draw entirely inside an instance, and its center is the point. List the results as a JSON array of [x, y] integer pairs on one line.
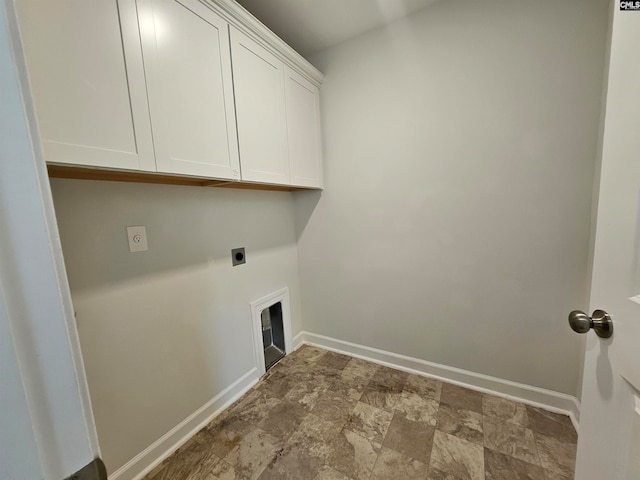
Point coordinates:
[[319, 415]]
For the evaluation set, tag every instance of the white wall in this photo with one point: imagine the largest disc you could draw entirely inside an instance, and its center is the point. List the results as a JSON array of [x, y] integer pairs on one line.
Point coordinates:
[[164, 331], [459, 146]]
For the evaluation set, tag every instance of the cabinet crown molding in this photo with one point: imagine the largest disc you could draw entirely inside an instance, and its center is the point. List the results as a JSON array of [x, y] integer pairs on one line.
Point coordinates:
[[244, 21]]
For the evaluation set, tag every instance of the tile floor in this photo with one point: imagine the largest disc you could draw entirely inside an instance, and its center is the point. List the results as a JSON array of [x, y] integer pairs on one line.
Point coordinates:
[[319, 415]]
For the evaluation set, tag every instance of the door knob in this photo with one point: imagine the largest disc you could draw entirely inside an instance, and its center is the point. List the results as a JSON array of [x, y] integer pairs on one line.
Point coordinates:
[[600, 321]]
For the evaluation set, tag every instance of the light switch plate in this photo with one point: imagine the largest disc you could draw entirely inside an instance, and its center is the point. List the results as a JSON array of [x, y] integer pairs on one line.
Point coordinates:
[[137, 239]]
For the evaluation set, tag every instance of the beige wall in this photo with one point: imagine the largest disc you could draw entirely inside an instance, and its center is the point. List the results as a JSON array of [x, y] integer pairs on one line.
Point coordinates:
[[459, 146], [164, 331]]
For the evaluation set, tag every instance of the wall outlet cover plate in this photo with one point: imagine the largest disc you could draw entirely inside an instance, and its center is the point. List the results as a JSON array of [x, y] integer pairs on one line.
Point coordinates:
[[137, 239], [238, 256]]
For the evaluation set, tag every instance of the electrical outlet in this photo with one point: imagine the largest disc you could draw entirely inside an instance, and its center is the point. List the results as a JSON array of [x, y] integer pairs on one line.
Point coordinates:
[[137, 239], [238, 256]]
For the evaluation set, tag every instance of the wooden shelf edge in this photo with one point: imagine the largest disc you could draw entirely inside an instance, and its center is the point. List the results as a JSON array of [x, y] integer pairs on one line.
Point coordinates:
[[107, 175]]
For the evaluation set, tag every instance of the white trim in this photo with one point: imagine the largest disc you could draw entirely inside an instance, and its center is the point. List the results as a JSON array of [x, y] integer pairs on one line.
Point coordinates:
[[154, 454], [298, 340], [51, 366], [240, 18], [257, 306], [527, 394]]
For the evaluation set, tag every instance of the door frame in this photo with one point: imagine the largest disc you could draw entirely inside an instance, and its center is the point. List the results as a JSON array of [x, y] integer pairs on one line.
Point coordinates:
[[33, 280]]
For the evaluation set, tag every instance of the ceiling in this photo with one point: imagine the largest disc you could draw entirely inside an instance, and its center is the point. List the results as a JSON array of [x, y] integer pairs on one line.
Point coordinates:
[[313, 25]]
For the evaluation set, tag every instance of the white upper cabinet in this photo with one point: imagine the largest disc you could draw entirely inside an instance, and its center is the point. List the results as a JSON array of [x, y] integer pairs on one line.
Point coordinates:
[[258, 78], [86, 74], [188, 66], [193, 88], [302, 100]]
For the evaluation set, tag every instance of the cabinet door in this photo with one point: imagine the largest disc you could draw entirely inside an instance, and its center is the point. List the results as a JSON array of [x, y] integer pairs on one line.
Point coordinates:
[[85, 68], [188, 66], [302, 100], [258, 79]]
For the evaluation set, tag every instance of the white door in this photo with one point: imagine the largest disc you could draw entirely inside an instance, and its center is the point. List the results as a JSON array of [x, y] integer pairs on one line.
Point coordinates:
[[608, 444], [85, 70], [303, 130], [258, 79], [188, 67]]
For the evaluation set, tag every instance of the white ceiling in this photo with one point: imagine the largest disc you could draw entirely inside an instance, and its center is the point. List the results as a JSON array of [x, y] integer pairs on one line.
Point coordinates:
[[313, 25]]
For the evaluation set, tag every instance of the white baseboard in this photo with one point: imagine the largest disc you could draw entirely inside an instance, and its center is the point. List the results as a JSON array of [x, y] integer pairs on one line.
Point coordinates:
[[153, 455], [298, 340], [534, 396]]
